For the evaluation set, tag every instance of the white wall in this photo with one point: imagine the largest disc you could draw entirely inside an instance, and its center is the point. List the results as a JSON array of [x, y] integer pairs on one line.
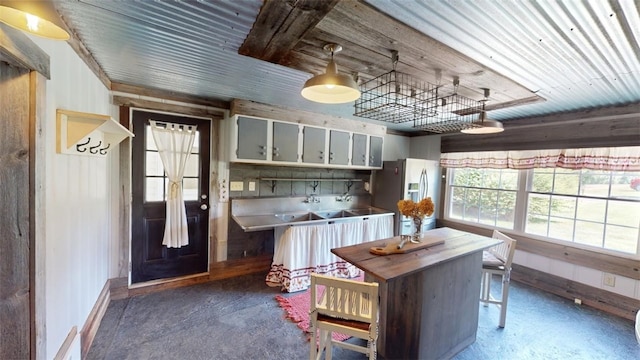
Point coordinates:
[[79, 189], [622, 285]]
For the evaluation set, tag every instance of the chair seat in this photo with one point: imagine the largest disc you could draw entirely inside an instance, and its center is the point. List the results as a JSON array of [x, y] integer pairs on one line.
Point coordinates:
[[343, 322], [490, 261]]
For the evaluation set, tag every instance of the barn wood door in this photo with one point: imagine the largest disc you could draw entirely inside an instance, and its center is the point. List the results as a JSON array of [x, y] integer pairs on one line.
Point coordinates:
[[150, 260]]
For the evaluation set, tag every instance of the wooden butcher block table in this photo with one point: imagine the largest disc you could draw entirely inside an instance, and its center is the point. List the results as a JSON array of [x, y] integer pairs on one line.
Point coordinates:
[[428, 295]]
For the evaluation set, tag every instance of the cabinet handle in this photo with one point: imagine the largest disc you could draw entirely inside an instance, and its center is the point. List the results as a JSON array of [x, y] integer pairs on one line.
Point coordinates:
[[263, 147], [262, 153], [275, 149], [276, 154]]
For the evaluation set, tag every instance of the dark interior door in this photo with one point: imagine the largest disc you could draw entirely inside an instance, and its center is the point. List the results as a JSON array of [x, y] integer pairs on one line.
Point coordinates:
[[150, 259]]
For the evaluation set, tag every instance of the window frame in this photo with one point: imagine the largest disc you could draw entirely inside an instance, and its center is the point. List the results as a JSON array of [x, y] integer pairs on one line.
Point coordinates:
[[525, 177]]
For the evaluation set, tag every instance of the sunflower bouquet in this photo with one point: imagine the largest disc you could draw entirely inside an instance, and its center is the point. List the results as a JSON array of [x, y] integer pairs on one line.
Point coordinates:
[[415, 210]]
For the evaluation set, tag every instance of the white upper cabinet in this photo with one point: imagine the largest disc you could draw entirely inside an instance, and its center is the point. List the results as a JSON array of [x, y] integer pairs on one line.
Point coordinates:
[[266, 141]]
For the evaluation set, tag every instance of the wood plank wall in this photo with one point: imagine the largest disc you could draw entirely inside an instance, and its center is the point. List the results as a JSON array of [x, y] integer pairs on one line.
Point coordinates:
[[616, 126], [15, 305]]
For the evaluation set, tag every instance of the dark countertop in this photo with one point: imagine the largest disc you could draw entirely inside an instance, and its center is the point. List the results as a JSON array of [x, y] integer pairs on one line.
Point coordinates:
[[387, 267]]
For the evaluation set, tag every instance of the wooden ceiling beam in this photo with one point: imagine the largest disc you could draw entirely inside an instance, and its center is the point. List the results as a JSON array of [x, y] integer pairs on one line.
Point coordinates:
[[280, 25]]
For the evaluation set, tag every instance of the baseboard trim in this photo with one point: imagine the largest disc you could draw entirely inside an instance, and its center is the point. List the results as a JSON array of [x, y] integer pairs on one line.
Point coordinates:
[[119, 288], [65, 349], [606, 301], [92, 324]]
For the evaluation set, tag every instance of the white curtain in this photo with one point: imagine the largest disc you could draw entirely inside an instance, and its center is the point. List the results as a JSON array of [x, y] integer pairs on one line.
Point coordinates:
[[174, 143], [612, 159]]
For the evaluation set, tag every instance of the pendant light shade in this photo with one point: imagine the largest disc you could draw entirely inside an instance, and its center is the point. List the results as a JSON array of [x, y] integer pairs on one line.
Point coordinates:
[[484, 125], [331, 87], [35, 17]]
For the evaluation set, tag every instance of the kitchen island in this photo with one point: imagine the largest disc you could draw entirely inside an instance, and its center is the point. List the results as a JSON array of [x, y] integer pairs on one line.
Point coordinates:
[[429, 298]]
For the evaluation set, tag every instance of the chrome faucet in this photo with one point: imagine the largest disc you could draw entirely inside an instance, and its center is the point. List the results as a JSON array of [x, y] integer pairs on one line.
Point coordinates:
[[312, 199], [344, 197]]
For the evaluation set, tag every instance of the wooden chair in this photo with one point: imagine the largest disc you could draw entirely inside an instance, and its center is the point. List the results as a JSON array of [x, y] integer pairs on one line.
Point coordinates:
[[346, 307], [497, 260]]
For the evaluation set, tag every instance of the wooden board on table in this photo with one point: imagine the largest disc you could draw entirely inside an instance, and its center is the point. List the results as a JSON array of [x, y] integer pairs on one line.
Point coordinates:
[[392, 246]]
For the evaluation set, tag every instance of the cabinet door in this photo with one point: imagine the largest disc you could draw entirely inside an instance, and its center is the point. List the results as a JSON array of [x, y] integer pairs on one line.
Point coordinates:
[[285, 142], [339, 147], [313, 145], [252, 139], [359, 156], [375, 151]]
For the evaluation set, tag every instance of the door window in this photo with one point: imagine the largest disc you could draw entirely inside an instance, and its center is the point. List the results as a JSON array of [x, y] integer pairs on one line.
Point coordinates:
[[156, 181]]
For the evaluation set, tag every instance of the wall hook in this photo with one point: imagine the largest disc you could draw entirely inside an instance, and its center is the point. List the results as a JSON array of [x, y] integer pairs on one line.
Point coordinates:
[[103, 151], [81, 148], [92, 148], [349, 185], [314, 185]]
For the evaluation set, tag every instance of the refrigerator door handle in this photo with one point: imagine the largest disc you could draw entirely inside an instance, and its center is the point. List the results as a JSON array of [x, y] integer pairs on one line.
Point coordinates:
[[423, 185]]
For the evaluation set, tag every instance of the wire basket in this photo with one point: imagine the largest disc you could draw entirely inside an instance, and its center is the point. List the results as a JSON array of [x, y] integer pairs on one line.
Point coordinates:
[[396, 97], [452, 113], [392, 97]]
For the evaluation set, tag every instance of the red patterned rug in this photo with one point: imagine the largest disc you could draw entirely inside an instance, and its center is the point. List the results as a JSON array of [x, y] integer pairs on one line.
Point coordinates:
[[297, 309]]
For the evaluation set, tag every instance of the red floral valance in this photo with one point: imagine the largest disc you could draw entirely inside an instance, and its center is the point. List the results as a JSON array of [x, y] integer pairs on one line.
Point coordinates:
[[611, 159]]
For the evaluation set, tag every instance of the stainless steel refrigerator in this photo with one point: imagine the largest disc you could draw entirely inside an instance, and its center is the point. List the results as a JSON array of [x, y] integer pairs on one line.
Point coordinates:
[[412, 179]]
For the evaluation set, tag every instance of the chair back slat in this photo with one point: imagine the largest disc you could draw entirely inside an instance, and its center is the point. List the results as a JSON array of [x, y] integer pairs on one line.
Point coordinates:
[[345, 299], [505, 250]]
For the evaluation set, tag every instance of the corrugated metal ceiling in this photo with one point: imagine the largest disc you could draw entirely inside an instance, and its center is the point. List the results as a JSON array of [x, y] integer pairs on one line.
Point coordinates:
[[576, 54]]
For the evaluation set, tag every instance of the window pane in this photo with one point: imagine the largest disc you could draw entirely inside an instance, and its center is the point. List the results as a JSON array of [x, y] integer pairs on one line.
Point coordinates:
[[542, 180], [456, 209], [563, 206], [472, 205], [191, 168], [594, 183], [539, 204], [196, 144], [151, 144], [153, 164], [626, 185], [589, 233], [190, 190], [591, 209], [491, 179], [489, 205], [509, 180], [537, 225], [621, 238], [154, 190], [506, 209], [623, 213], [561, 228], [467, 177], [566, 183]]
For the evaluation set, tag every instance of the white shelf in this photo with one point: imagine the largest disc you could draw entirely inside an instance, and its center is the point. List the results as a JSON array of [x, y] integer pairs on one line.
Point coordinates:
[[81, 133]]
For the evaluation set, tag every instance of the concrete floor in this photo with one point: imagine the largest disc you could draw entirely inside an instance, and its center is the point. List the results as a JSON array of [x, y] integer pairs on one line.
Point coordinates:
[[240, 319]]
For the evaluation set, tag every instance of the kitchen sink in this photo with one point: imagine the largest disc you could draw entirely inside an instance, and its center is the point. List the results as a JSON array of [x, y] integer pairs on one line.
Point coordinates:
[[333, 214], [362, 212], [301, 216]]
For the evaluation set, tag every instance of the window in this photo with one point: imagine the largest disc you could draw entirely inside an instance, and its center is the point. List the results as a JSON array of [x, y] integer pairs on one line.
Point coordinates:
[[485, 196], [588, 207], [596, 208], [156, 179]]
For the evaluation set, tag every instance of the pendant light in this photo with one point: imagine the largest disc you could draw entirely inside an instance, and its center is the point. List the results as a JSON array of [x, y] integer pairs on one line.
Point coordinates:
[[331, 87], [35, 17], [484, 125]]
